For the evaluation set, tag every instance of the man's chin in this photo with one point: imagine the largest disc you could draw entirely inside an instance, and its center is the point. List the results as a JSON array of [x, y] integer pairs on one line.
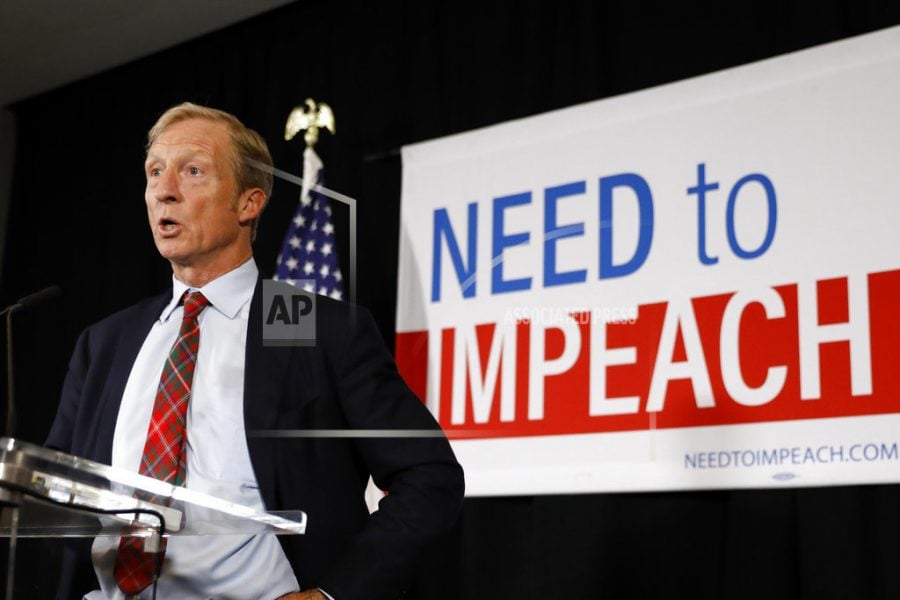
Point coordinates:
[[172, 253]]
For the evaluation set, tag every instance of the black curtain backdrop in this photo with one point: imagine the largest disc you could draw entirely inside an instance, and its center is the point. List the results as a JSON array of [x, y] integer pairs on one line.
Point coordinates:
[[398, 72]]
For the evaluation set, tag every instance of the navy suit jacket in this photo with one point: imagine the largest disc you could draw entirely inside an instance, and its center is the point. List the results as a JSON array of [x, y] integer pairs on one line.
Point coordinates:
[[347, 380]]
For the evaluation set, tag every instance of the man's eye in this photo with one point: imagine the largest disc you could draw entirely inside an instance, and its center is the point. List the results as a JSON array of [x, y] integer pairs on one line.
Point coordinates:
[[194, 170], [154, 172]]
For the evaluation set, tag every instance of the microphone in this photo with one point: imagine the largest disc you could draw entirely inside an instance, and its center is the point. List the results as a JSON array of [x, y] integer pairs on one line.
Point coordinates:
[[23, 302], [31, 299]]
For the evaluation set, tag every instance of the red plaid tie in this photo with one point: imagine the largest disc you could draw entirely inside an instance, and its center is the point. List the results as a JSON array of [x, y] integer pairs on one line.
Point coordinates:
[[164, 452]]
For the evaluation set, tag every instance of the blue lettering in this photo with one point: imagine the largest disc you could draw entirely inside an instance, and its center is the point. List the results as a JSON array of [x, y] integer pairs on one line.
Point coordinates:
[[773, 215], [502, 241], [465, 274], [701, 188], [553, 233], [870, 452], [645, 233]]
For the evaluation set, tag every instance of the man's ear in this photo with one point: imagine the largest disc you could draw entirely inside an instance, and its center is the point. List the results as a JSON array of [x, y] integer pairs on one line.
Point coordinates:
[[251, 205]]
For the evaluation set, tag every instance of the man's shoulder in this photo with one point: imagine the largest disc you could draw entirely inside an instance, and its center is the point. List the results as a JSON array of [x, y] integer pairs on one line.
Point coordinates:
[[340, 315], [129, 317], [335, 309]]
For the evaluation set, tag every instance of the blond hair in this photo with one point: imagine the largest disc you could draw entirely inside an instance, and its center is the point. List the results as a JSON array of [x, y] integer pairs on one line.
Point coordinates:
[[251, 161]]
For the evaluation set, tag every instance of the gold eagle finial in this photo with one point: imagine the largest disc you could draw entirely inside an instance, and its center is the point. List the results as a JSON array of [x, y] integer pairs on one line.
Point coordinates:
[[309, 116]]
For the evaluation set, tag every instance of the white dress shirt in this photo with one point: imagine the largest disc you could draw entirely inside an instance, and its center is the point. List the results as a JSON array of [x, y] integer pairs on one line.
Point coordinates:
[[218, 462]]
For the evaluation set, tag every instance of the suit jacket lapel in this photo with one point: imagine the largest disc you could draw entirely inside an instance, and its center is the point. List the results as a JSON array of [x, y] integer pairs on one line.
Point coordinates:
[[127, 347], [265, 370]]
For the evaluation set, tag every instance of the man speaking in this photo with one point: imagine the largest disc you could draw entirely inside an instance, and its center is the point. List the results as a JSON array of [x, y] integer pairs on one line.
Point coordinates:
[[175, 387]]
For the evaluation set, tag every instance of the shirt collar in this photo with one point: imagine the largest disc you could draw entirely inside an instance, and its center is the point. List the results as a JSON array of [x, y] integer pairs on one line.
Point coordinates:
[[227, 293]]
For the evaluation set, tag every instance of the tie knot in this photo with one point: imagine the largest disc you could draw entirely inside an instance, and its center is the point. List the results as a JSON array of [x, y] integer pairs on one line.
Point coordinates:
[[194, 303]]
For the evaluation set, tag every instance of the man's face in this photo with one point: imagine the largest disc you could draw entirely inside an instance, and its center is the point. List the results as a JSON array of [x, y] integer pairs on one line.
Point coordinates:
[[192, 199]]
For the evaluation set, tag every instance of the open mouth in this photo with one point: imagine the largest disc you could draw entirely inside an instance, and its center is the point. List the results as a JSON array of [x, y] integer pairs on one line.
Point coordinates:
[[167, 225]]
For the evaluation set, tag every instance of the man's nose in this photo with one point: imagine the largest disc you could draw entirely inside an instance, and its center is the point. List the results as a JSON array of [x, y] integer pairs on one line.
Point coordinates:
[[165, 186]]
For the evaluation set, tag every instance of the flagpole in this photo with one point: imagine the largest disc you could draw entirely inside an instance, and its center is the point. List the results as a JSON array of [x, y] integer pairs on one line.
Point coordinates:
[[310, 117], [334, 195], [352, 205]]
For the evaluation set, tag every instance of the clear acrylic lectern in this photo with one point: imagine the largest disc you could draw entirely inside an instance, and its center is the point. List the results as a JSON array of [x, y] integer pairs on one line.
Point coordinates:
[[45, 493]]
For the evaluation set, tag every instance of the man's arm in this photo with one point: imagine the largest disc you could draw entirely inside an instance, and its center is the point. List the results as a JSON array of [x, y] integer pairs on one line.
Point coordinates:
[[420, 473], [62, 430]]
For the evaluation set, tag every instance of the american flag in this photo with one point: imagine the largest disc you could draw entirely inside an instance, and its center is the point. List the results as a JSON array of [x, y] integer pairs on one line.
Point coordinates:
[[308, 258]]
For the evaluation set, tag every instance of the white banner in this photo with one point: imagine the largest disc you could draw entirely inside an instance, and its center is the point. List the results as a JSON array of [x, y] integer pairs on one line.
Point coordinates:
[[693, 286]]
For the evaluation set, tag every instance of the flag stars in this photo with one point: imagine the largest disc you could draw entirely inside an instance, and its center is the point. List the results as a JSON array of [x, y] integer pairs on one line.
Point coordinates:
[[308, 259]]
